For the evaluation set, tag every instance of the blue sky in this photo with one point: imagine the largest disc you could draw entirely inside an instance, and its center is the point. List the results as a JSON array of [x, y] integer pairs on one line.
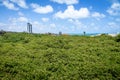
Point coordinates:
[[67, 16]]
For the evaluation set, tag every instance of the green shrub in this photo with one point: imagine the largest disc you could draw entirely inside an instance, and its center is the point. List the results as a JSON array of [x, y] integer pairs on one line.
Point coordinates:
[[13, 37], [26, 56], [117, 38]]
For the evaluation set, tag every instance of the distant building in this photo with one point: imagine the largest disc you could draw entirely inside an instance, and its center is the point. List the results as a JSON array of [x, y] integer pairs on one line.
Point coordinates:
[[29, 28], [84, 33], [60, 33]]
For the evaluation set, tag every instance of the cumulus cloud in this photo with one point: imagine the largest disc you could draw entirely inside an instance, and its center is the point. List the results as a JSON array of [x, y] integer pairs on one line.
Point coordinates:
[[20, 3], [2, 24], [9, 5], [52, 25], [45, 19], [113, 24], [114, 9], [20, 19], [70, 12], [92, 24], [98, 15], [77, 23], [41, 9], [68, 2], [35, 23], [15, 24], [20, 14]]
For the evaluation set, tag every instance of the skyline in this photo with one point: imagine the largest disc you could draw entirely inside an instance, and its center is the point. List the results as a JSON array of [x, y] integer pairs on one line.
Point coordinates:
[[67, 16]]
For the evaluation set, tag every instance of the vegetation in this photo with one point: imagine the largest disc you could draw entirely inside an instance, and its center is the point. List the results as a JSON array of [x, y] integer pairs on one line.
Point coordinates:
[[117, 38], [45, 57]]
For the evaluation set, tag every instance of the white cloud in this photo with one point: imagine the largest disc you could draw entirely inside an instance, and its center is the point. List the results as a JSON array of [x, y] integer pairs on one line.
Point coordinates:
[[12, 20], [2, 24], [116, 6], [92, 24], [20, 19], [20, 14], [18, 24], [39, 27], [9, 5], [35, 23], [20, 3], [70, 20], [52, 25], [14, 24], [68, 2], [76, 23], [41, 9], [114, 9], [70, 12], [45, 19], [98, 15], [113, 25]]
